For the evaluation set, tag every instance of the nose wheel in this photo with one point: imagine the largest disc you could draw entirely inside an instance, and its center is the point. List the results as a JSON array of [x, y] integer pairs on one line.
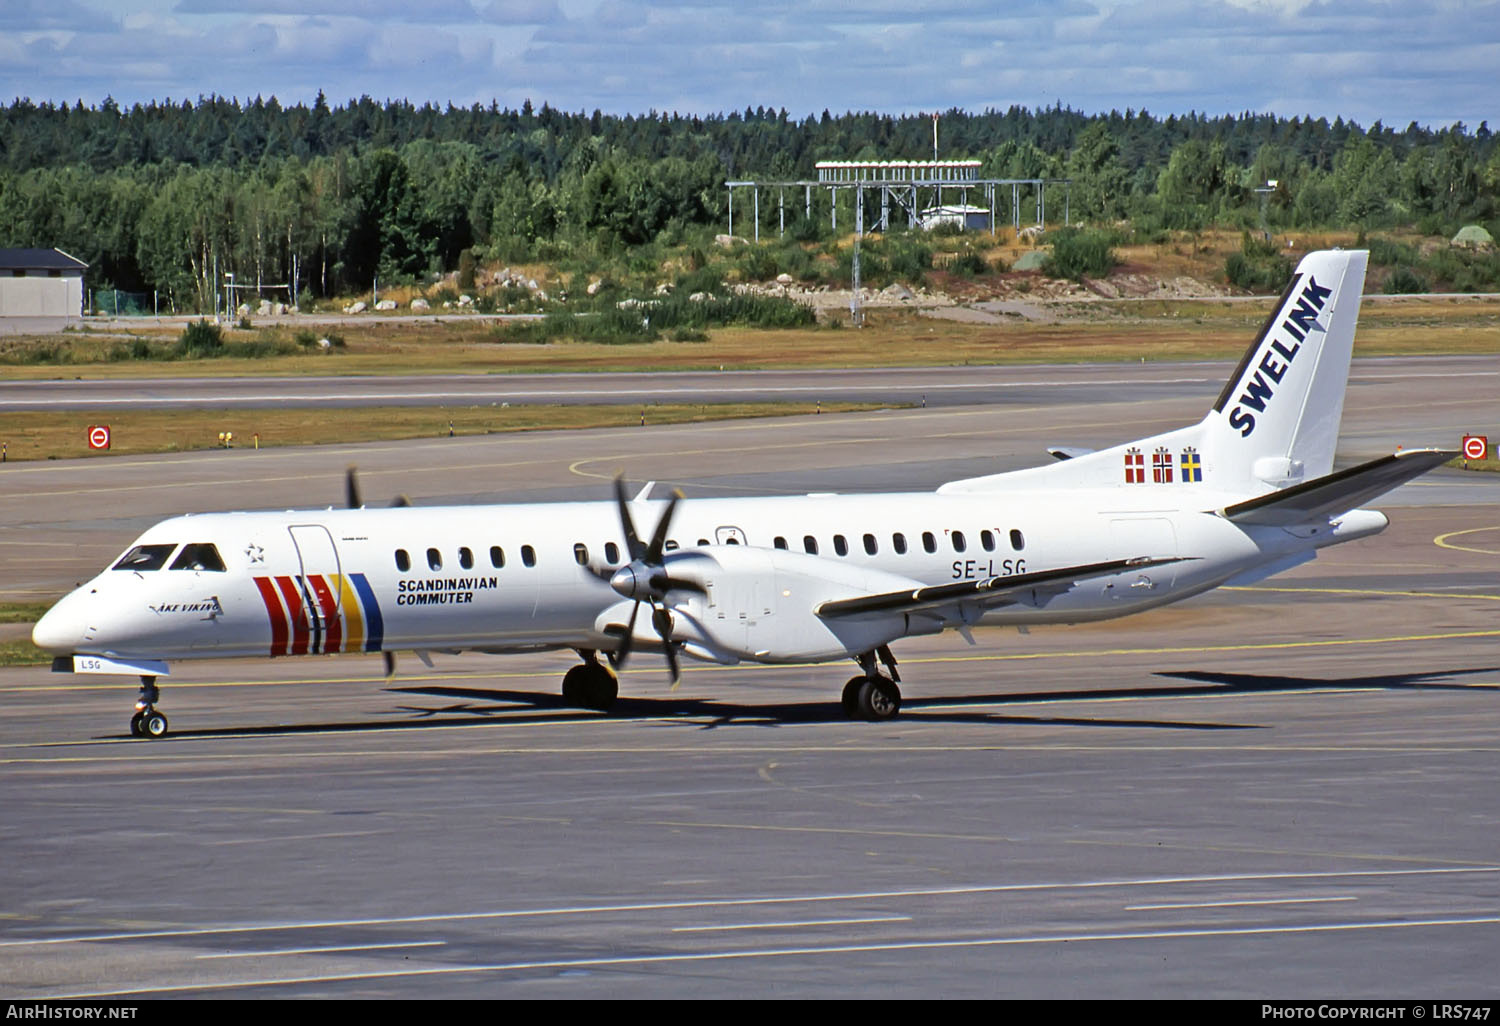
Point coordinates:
[[872, 695], [147, 722]]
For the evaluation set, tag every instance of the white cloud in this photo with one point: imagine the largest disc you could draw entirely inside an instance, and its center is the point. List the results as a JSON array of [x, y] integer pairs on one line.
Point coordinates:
[[1428, 60]]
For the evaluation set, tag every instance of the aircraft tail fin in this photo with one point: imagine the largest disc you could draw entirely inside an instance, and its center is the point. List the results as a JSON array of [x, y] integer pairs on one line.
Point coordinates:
[[1275, 423], [1277, 420]]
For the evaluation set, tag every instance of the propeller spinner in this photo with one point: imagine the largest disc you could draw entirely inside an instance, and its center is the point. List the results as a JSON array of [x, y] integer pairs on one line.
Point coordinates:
[[646, 579]]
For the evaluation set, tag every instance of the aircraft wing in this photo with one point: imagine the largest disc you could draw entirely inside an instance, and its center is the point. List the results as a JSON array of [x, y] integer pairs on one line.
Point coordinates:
[[1335, 493], [991, 591]]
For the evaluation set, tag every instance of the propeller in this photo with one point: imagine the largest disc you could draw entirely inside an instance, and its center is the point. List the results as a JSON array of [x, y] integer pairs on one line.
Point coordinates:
[[353, 501], [352, 494], [646, 579]]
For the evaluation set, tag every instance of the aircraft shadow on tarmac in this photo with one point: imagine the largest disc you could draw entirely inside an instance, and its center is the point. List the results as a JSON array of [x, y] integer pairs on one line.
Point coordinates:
[[479, 705]]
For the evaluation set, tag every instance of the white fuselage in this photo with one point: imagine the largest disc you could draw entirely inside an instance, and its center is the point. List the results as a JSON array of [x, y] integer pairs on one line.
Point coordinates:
[[509, 577]]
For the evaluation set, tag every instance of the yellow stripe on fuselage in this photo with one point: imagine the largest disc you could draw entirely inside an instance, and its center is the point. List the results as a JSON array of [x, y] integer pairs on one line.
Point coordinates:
[[354, 622]]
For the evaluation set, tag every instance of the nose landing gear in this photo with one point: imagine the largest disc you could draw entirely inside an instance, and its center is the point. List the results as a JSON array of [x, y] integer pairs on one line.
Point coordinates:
[[873, 696], [147, 722]]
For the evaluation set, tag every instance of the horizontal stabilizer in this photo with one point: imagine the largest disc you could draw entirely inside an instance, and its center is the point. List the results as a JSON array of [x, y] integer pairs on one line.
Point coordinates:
[[1336, 493], [992, 591], [1067, 452]]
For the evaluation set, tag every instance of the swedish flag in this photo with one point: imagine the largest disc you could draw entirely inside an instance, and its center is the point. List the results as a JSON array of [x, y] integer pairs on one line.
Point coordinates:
[[1192, 466]]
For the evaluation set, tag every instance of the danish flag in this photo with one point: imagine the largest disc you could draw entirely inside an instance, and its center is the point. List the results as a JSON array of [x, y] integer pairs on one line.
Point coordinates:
[[1135, 466]]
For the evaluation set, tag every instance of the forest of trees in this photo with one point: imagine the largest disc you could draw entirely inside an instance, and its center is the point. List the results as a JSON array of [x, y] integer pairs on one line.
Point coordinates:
[[163, 196]]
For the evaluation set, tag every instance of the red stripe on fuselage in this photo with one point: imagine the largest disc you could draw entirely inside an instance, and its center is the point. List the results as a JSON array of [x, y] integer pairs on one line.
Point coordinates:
[[276, 613], [300, 626], [330, 605]]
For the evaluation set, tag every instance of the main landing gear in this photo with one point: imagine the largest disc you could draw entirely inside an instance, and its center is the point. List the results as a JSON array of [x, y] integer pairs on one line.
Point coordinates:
[[147, 722], [591, 684], [873, 696]]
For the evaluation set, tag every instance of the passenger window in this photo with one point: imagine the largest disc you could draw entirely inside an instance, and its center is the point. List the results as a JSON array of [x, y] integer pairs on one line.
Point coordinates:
[[704, 541], [611, 553], [959, 544], [779, 542], [146, 557], [581, 554], [898, 542], [1016, 541], [497, 557], [199, 556], [732, 540], [929, 542], [840, 545], [528, 555], [671, 545], [403, 561], [987, 539], [466, 558], [434, 559], [870, 547], [810, 545]]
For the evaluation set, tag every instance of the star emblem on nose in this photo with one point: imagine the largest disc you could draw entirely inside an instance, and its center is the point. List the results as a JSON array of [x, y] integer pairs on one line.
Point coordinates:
[[256, 553]]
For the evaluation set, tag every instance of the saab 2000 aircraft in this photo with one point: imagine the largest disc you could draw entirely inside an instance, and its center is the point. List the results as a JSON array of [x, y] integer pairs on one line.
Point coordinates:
[[1247, 492]]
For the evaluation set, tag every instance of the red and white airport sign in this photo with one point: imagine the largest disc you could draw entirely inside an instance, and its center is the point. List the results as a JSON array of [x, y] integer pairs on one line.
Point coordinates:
[[98, 436], [1476, 447]]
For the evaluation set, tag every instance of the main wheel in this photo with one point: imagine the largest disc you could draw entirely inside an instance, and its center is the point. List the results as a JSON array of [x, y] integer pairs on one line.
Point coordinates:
[[153, 724], [135, 725], [573, 685], [600, 688], [850, 697], [879, 698]]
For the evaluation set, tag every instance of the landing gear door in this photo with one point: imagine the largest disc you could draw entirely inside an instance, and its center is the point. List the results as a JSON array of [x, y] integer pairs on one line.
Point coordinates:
[[321, 582], [1149, 537]]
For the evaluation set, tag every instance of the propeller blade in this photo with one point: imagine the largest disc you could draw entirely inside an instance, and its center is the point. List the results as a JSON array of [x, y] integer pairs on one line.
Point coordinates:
[[604, 573], [351, 488], [659, 539], [661, 620], [390, 664], [623, 652], [632, 540], [671, 651], [400, 500], [665, 583]]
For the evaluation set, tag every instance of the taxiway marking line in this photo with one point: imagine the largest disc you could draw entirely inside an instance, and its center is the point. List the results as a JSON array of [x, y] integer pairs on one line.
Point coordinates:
[[667, 906], [1365, 591], [989, 657], [697, 395], [325, 951], [1188, 649], [801, 952], [1233, 904], [1442, 541], [791, 923], [104, 464]]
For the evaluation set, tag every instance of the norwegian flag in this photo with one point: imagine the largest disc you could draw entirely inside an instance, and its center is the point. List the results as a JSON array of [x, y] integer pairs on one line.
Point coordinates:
[[1161, 467], [1135, 466]]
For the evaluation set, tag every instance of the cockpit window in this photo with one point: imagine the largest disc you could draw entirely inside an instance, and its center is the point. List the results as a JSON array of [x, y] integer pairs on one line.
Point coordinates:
[[146, 557], [198, 556]]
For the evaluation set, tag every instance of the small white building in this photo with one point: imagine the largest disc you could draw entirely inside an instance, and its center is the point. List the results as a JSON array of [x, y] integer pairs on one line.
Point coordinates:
[[966, 217], [40, 289]]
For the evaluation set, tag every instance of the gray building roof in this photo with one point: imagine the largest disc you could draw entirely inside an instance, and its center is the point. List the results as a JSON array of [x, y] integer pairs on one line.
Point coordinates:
[[39, 260]]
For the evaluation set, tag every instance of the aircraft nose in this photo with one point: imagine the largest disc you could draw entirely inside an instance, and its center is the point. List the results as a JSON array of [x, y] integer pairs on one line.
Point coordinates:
[[61, 628]]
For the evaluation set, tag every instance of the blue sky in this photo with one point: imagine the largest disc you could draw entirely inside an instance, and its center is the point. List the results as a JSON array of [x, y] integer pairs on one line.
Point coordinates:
[[1430, 61]]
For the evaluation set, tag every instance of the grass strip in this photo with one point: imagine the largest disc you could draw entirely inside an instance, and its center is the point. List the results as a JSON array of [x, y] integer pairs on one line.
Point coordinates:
[[63, 434]]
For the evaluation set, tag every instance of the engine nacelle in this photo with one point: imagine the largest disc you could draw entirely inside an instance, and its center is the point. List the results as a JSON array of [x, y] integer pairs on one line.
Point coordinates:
[[758, 604]]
